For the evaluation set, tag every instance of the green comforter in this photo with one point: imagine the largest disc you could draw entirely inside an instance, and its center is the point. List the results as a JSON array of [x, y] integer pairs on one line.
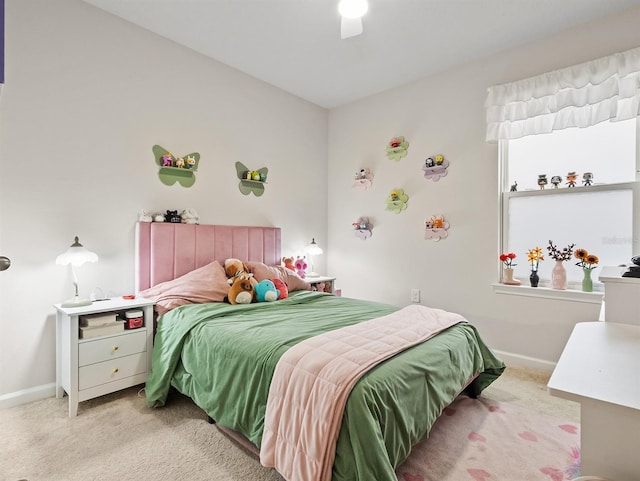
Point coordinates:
[[223, 357]]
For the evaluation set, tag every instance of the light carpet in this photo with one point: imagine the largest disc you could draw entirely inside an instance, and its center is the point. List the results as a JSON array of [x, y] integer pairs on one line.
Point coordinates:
[[116, 437], [485, 440]]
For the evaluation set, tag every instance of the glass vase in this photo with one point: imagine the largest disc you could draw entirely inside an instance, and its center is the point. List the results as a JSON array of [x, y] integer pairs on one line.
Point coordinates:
[[587, 283], [559, 276], [508, 277], [534, 278]]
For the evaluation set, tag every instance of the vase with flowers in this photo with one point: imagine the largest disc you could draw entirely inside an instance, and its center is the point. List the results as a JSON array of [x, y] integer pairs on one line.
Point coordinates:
[[507, 260], [588, 262], [534, 256], [558, 273]]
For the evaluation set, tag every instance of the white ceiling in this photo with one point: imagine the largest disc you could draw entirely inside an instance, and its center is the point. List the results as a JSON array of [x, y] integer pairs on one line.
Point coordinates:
[[296, 46]]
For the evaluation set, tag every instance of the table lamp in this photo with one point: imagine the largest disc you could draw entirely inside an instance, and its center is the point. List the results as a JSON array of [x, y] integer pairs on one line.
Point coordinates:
[[313, 250], [76, 255]]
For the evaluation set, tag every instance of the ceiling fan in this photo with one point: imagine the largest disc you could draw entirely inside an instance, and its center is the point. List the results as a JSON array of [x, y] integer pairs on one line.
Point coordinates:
[[352, 12]]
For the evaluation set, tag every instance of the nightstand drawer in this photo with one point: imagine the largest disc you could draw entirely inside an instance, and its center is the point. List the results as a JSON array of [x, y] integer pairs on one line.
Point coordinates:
[[90, 352], [112, 370]]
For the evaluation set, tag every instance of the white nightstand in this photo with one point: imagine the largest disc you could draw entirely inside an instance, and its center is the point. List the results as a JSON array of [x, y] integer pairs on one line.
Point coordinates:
[[88, 368], [323, 283]]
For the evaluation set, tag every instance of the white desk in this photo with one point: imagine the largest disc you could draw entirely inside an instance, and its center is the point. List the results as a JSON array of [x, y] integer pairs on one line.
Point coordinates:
[[600, 369], [620, 296]]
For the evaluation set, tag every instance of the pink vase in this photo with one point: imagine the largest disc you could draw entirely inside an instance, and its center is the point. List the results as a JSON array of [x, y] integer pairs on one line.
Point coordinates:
[[559, 276]]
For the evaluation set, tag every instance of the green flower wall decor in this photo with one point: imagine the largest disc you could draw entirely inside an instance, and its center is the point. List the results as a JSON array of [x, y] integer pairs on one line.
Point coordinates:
[[397, 148], [397, 201]]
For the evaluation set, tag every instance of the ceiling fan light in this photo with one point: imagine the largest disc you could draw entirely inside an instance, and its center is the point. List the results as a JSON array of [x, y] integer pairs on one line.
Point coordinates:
[[353, 8]]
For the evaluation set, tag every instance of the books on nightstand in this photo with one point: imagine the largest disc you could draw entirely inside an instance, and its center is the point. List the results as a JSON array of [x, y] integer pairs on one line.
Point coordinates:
[[100, 325]]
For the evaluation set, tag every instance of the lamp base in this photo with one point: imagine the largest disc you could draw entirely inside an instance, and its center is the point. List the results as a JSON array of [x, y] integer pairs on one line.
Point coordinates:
[[311, 274], [76, 302]]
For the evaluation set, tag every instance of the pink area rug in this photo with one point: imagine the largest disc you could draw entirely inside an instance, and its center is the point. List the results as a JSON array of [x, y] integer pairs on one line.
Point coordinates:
[[485, 440]]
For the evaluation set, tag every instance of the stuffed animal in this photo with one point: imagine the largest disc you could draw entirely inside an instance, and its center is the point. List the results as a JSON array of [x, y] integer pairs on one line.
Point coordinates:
[[266, 291], [301, 266], [241, 291], [172, 216], [234, 267], [288, 263], [158, 218], [189, 216], [282, 287], [145, 217]]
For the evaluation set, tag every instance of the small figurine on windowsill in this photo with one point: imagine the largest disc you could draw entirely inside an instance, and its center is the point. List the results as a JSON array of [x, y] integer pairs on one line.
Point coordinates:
[[514, 186], [587, 178], [542, 180], [571, 179], [556, 180]]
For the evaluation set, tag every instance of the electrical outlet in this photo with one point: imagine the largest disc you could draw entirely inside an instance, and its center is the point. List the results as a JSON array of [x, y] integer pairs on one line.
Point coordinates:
[[415, 295]]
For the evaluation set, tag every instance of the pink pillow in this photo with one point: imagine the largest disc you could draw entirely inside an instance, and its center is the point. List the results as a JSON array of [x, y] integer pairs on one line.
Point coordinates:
[[293, 281], [205, 284]]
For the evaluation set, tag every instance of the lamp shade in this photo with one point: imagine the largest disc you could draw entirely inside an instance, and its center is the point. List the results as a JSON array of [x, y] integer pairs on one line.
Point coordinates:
[[313, 248], [76, 255]]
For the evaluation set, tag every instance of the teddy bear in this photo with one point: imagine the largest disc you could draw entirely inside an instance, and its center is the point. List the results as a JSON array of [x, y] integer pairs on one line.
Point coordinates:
[[282, 287], [288, 263], [235, 267], [301, 267], [172, 216], [241, 291], [189, 216], [266, 291], [145, 217], [158, 217]]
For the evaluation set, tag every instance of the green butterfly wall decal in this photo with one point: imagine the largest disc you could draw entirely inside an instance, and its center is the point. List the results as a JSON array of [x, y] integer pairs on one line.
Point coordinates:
[[251, 180], [176, 169]]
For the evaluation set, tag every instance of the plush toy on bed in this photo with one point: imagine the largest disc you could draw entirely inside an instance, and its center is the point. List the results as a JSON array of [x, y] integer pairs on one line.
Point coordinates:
[[234, 267], [241, 291], [282, 287], [266, 291], [301, 267], [288, 263]]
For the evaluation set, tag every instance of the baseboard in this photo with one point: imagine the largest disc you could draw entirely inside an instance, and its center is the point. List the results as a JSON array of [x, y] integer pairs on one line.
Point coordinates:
[[27, 395], [525, 361]]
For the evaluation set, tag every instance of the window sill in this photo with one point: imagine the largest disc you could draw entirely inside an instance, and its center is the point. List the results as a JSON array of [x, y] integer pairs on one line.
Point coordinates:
[[548, 293]]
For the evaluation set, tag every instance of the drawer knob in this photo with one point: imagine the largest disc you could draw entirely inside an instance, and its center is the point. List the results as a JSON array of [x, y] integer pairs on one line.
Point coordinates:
[[115, 370], [114, 348]]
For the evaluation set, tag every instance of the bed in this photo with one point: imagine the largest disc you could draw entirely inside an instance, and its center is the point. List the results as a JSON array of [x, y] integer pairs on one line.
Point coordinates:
[[224, 356]]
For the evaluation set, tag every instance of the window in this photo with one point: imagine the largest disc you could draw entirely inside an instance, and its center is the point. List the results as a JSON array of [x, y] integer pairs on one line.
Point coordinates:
[[553, 129], [598, 215]]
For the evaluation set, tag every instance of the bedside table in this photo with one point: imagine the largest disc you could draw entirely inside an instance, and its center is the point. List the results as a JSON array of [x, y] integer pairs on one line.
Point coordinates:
[[88, 368], [323, 284]]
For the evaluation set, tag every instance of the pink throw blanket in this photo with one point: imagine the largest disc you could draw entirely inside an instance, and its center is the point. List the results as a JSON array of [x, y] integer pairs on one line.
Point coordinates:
[[313, 380]]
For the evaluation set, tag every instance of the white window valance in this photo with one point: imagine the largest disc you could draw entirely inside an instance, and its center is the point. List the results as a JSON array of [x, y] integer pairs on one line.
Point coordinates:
[[579, 96]]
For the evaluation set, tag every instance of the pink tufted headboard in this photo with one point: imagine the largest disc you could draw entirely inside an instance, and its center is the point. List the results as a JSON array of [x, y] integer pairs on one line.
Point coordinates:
[[165, 251]]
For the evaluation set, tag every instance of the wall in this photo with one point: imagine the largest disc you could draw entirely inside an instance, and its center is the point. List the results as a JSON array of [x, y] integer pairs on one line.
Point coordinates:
[[86, 97], [445, 114]]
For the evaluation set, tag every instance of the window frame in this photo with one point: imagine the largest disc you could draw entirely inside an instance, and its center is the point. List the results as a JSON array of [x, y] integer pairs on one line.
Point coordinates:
[[504, 195]]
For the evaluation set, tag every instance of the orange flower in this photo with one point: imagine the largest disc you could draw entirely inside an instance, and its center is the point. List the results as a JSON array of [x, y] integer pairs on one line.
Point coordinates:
[[587, 261]]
